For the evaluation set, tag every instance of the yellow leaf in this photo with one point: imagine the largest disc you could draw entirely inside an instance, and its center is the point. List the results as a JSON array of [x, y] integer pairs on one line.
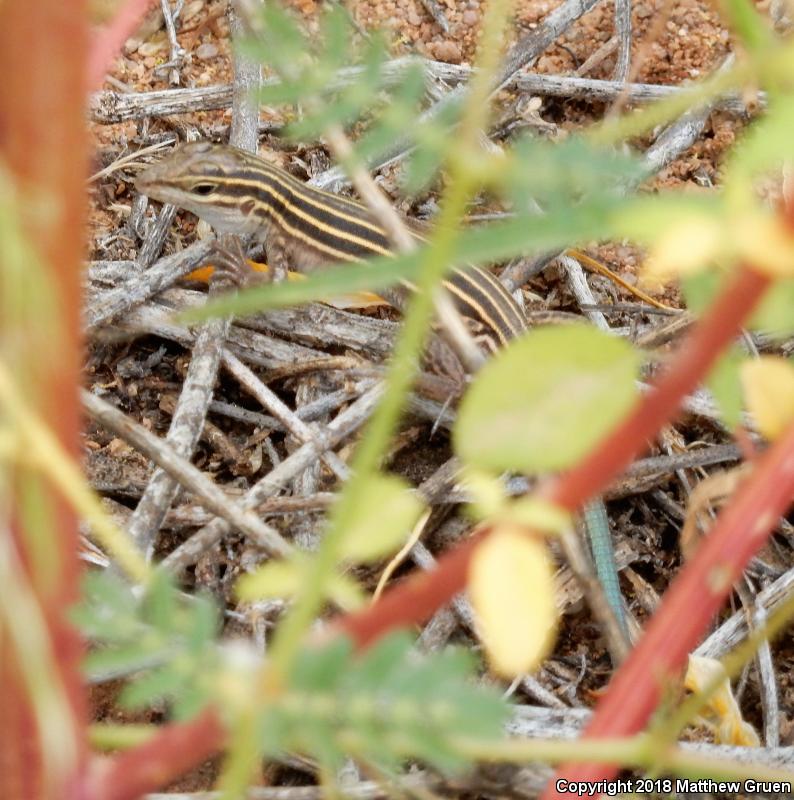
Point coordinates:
[[764, 240], [683, 249], [703, 673], [512, 590], [768, 384]]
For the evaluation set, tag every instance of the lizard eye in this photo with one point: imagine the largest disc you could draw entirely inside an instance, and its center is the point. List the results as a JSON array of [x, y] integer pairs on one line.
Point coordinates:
[[203, 189]]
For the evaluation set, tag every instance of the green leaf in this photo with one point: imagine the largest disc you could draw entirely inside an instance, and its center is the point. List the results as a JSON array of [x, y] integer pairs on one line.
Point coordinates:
[[395, 117], [160, 603], [383, 520], [325, 669], [544, 402], [725, 384], [157, 685], [108, 609], [103, 663], [202, 624], [380, 663]]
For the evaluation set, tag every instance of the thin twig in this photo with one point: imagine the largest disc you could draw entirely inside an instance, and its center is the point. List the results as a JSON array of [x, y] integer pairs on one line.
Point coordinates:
[[155, 237], [345, 424], [770, 704], [107, 306], [185, 473], [595, 58], [177, 53], [623, 33], [288, 418]]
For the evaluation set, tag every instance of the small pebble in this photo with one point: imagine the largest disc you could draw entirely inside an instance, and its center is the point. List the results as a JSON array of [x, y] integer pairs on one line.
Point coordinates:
[[470, 17], [206, 51], [448, 51]]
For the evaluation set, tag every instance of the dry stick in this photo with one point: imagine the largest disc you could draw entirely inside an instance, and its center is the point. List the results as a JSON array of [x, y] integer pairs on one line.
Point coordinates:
[[575, 88], [346, 423], [191, 409], [111, 107], [520, 55], [417, 784], [106, 307], [623, 33], [247, 80], [254, 348], [289, 419], [736, 629], [533, 722], [594, 59], [156, 235], [680, 135], [766, 675], [184, 432], [211, 496], [194, 516], [177, 53]]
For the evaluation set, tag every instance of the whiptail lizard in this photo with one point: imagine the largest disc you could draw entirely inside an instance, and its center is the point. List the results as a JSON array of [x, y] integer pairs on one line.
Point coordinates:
[[304, 228]]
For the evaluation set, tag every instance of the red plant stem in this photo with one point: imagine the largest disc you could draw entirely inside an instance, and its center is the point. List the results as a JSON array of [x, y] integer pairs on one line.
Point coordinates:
[[694, 597], [416, 598], [108, 40], [42, 144], [156, 763]]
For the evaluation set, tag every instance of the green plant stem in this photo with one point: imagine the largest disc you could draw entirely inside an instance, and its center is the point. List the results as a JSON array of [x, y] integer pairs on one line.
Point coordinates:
[[436, 262]]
